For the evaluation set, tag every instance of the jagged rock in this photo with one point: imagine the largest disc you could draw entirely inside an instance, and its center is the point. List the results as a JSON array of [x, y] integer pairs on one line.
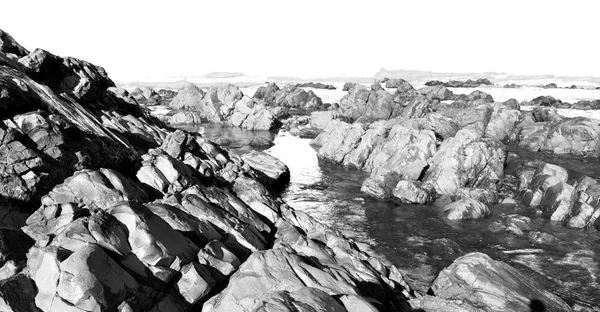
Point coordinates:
[[270, 170], [438, 92], [109, 233], [412, 192], [486, 196], [403, 156], [541, 114], [258, 141], [338, 139], [483, 284], [503, 124], [152, 240], [466, 209], [305, 299], [466, 160], [315, 85], [187, 98], [91, 280], [266, 93], [78, 78], [9, 45], [195, 282], [18, 292], [400, 84], [297, 98]]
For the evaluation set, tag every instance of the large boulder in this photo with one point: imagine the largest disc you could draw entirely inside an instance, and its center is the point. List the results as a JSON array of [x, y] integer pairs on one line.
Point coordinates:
[[84, 81], [402, 156], [480, 283], [187, 98], [466, 160], [270, 170], [400, 84]]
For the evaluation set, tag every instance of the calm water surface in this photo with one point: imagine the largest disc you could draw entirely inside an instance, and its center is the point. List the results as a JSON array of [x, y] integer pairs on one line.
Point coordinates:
[[418, 239]]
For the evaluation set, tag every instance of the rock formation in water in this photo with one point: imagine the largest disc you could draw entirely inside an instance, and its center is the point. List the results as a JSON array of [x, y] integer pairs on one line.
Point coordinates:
[[222, 104], [315, 85], [421, 144], [104, 208], [460, 84], [290, 96]]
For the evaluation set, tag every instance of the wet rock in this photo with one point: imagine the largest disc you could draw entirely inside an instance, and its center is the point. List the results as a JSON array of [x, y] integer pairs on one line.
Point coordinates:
[[270, 170], [261, 142], [512, 223], [466, 209], [486, 196], [542, 238], [483, 284], [412, 192]]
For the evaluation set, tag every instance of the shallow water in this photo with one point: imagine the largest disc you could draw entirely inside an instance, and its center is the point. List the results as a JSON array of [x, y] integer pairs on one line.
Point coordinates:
[[418, 239], [421, 242]]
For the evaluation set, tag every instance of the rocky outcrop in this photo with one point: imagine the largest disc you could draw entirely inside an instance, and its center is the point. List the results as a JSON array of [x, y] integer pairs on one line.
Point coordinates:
[[460, 84], [270, 170], [576, 136], [315, 85], [547, 187], [290, 96], [133, 216], [475, 282], [223, 104]]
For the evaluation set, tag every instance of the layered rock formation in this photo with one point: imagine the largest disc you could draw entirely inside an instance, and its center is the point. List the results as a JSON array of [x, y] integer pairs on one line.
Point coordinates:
[[105, 209]]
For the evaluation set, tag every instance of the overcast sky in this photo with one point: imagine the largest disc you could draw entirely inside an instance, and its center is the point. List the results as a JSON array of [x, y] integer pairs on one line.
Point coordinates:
[[133, 39]]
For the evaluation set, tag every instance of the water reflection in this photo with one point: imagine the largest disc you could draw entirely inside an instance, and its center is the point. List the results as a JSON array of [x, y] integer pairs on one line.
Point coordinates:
[[421, 242], [418, 239]]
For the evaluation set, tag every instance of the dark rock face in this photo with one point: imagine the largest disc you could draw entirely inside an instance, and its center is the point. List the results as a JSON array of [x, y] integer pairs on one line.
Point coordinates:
[[460, 84], [315, 85]]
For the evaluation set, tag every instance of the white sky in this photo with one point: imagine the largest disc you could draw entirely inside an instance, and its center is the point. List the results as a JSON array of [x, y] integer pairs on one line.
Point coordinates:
[[134, 39]]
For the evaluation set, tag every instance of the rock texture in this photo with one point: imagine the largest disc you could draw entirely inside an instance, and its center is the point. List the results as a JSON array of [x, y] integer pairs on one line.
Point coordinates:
[[107, 209]]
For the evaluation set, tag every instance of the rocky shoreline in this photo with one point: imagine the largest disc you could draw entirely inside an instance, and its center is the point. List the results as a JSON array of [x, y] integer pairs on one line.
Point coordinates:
[[106, 208]]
